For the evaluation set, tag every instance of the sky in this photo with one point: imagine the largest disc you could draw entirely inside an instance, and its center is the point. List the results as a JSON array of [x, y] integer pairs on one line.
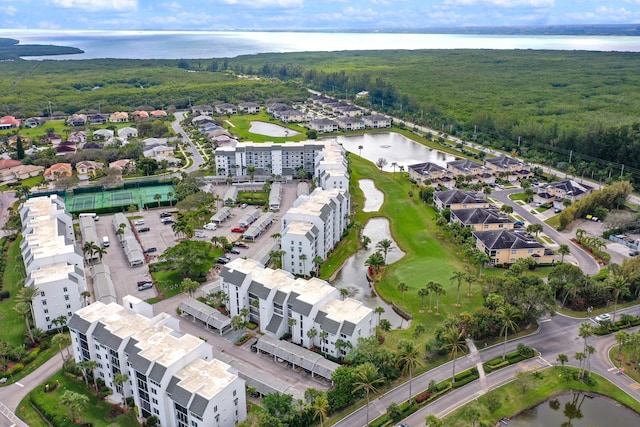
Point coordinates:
[[310, 14]]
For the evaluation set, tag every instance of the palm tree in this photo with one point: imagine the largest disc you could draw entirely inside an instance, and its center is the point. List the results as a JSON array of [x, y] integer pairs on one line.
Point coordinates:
[[61, 341], [469, 278], [580, 356], [438, 290], [534, 228], [563, 250], [458, 276], [617, 284], [481, 259], [320, 408], [317, 261], [74, 401], [394, 165], [189, 286], [423, 292], [312, 333], [88, 248], [118, 381], [366, 379], [344, 293], [378, 310], [384, 246], [408, 360], [580, 234], [100, 251], [360, 147], [585, 331], [85, 296], [454, 343], [432, 421], [510, 317], [60, 322], [24, 309], [506, 209], [157, 197], [589, 350], [562, 359], [402, 287], [237, 323], [170, 197], [90, 366], [303, 258]]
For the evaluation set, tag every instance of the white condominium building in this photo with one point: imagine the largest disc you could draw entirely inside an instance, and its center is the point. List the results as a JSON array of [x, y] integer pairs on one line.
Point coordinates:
[[54, 264], [331, 167], [280, 303], [172, 375], [328, 212]]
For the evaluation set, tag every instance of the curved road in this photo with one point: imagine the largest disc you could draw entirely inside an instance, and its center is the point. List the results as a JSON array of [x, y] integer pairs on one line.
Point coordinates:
[[195, 155], [556, 335], [587, 263]]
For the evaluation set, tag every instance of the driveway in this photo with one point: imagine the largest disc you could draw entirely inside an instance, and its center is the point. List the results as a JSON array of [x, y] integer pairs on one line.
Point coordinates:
[[195, 155]]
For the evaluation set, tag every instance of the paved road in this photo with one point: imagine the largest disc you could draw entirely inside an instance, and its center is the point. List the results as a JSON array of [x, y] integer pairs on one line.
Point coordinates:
[[556, 335], [586, 262], [195, 155], [6, 200]]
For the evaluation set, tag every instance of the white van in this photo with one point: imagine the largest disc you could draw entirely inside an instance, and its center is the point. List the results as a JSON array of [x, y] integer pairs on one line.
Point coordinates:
[[105, 241], [89, 215], [210, 226]]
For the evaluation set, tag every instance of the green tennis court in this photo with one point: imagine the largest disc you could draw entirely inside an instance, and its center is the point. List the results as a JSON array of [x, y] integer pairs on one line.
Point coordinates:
[[141, 197]]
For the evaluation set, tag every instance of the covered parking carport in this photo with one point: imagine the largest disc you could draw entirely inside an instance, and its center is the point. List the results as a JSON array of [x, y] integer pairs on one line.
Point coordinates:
[[259, 227], [209, 316], [313, 363]]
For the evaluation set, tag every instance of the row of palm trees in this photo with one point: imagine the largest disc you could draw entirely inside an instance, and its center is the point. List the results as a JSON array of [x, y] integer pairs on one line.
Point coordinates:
[[91, 249]]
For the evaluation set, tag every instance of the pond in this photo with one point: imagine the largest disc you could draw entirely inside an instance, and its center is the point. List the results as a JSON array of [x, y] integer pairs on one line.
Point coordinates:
[[270, 129], [374, 197], [394, 148], [353, 274], [577, 410]]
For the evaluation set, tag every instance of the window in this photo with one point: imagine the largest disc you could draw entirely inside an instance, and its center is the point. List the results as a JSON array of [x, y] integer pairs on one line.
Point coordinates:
[[42, 293], [47, 318], [64, 289], [68, 306], [235, 392], [46, 310], [44, 302], [66, 297]]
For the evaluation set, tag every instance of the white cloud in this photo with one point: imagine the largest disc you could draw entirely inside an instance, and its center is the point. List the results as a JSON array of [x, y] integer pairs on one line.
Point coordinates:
[[128, 5], [266, 3], [502, 3], [9, 10]]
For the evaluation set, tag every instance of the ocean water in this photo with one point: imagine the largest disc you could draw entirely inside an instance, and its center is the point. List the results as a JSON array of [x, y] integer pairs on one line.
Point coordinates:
[[220, 44]]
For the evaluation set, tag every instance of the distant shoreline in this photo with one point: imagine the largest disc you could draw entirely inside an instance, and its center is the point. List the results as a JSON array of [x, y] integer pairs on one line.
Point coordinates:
[[10, 49]]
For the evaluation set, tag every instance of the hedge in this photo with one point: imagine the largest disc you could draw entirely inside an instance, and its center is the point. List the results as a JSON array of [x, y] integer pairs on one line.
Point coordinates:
[[49, 408]]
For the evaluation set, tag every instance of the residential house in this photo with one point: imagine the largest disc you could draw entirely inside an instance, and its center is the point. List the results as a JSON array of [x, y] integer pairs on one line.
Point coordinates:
[[88, 167], [290, 116], [323, 125], [14, 170], [98, 119], [275, 107], [140, 116], [202, 110], [79, 137], [459, 199], [558, 192], [77, 120], [127, 132], [377, 121], [349, 110], [66, 147], [174, 376], [53, 139], [119, 117], [481, 219], [9, 122], [158, 114], [32, 122], [123, 165], [508, 246], [349, 123], [432, 174], [226, 109], [507, 167], [273, 297], [103, 134], [53, 261], [57, 171], [465, 167], [249, 107]]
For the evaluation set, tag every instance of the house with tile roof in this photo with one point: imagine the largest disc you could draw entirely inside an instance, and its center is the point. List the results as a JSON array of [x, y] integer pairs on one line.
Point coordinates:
[[459, 199], [508, 246], [512, 169], [57, 171], [557, 192], [249, 107], [119, 117], [9, 122], [432, 173]]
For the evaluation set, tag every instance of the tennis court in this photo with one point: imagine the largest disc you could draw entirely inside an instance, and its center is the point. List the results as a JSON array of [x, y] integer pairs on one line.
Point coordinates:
[[141, 197]]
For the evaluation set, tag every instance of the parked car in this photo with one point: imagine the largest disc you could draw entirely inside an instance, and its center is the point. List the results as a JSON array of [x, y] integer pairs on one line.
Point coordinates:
[[143, 229], [519, 224], [242, 245], [150, 250], [604, 317], [138, 222], [167, 220], [234, 251], [145, 286], [237, 230], [165, 215], [210, 226], [223, 260], [144, 282]]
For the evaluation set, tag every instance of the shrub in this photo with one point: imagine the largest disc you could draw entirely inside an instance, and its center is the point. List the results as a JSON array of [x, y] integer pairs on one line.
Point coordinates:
[[4, 294], [465, 381], [14, 369], [422, 396]]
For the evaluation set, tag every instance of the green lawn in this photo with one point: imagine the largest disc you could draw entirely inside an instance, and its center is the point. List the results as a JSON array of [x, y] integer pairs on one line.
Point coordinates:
[[242, 124], [426, 257], [13, 326], [96, 412], [510, 400], [518, 196], [554, 221], [629, 360]]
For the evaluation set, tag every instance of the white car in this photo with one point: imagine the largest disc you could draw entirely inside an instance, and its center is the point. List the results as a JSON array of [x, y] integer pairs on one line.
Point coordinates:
[[210, 226], [605, 317], [138, 222]]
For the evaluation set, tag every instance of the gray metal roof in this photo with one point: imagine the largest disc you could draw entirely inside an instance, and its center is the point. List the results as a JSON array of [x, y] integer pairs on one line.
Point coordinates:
[[209, 315], [157, 372], [258, 289], [79, 324], [105, 337], [138, 362], [103, 288], [299, 306], [198, 405], [330, 325], [347, 328], [181, 396], [232, 276], [297, 355], [280, 297], [274, 323]]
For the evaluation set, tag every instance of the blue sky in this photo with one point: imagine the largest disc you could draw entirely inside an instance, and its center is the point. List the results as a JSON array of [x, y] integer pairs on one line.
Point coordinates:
[[300, 14]]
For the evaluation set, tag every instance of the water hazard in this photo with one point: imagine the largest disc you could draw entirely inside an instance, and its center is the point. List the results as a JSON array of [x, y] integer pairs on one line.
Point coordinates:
[[577, 410], [270, 129]]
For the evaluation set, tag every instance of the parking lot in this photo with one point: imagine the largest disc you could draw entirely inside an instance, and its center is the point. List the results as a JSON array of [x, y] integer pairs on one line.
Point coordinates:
[[161, 237]]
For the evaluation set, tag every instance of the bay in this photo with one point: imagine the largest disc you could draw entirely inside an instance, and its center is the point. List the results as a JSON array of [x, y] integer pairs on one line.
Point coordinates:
[[220, 44]]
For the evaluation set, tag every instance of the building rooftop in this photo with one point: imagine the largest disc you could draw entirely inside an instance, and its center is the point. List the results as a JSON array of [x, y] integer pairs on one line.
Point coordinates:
[[206, 378], [300, 228], [507, 239], [349, 310], [51, 273]]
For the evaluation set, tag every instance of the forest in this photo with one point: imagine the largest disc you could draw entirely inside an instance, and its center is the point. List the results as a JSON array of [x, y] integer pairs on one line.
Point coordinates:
[[575, 109]]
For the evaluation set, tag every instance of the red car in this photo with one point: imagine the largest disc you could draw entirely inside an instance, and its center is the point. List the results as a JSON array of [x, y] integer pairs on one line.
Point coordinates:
[[241, 245], [237, 230]]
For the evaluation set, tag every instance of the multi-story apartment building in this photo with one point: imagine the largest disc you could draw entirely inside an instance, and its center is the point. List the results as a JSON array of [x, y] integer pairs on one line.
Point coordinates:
[[331, 167], [53, 261], [171, 375], [280, 303], [328, 212]]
